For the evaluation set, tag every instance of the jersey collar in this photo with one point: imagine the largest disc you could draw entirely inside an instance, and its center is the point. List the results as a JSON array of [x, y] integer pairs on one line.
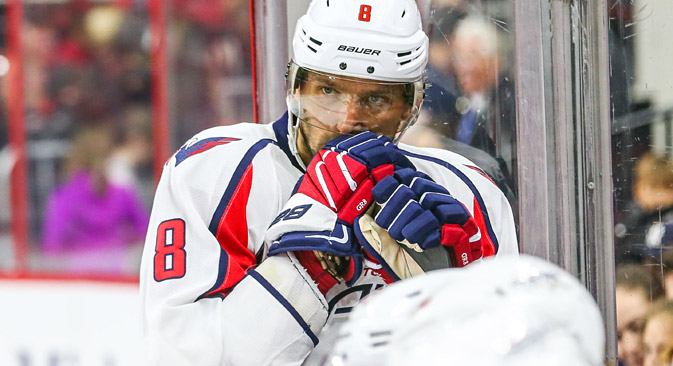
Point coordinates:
[[280, 129]]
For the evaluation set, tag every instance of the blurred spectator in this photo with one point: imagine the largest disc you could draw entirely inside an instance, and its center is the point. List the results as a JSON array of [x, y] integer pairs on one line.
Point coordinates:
[[446, 102], [88, 218], [39, 41], [657, 334], [640, 237], [636, 289], [470, 97], [130, 164], [213, 75], [487, 99]]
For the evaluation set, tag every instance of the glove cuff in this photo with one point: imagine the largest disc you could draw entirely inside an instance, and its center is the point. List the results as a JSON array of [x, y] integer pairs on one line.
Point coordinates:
[[302, 214], [322, 278]]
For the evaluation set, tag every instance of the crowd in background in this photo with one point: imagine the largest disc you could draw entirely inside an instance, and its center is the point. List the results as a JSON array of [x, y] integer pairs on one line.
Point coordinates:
[[88, 118]]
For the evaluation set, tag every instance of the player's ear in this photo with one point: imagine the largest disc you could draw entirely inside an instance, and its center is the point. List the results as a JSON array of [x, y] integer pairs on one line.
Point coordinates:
[[300, 89]]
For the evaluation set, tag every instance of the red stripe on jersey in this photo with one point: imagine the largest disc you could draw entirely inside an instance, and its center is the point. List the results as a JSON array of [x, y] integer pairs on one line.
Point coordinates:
[[487, 243], [483, 173], [232, 234]]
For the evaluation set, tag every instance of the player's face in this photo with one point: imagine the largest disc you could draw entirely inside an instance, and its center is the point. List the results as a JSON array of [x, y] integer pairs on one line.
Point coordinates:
[[331, 106]]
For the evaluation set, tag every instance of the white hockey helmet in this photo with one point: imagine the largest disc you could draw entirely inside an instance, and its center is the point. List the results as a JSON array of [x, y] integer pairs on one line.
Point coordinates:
[[377, 42], [510, 311], [377, 39]]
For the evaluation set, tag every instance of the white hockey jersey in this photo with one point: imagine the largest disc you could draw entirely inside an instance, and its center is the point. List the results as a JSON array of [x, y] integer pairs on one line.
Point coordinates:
[[209, 294]]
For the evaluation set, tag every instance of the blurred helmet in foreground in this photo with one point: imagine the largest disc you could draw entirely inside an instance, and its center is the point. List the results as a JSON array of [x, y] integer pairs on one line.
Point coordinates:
[[511, 311]]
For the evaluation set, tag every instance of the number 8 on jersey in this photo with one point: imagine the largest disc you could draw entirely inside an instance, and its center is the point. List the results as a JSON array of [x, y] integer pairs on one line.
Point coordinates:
[[170, 256]]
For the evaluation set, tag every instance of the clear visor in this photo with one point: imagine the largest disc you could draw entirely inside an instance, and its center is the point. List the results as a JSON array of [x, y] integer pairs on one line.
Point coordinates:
[[347, 105]]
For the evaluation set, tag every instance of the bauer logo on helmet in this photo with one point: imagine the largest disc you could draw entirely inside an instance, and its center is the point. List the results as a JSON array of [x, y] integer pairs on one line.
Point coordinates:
[[366, 51]]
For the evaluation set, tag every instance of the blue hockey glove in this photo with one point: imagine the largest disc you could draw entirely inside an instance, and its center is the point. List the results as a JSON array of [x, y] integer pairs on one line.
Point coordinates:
[[422, 215], [372, 150]]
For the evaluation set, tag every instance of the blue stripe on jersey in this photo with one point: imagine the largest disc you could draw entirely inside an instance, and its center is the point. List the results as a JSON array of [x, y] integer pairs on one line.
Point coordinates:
[[221, 273], [286, 304], [469, 183], [224, 202], [280, 129]]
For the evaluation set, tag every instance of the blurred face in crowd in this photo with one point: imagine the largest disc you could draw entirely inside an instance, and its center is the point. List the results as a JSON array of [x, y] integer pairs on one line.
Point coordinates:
[[668, 285], [475, 64], [653, 188], [440, 56], [657, 337], [652, 198], [632, 304], [333, 106]]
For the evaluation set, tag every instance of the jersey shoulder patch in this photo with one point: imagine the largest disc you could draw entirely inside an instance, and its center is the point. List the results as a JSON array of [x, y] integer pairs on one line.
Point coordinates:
[[197, 146]]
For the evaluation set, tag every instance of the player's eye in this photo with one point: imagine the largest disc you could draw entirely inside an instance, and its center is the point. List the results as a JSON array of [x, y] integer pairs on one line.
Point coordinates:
[[376, 99], [327, 90], [377, 102]]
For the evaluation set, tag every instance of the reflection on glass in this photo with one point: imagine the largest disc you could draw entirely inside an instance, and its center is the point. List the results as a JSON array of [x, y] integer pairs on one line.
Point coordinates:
[[642, 106], [469, 107]]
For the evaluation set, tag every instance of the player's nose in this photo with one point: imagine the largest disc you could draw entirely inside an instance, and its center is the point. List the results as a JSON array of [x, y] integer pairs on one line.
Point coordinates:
[[353, 121]]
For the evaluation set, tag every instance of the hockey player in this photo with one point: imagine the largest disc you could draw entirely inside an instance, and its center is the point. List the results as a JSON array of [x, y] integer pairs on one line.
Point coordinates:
[[263, 237]]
